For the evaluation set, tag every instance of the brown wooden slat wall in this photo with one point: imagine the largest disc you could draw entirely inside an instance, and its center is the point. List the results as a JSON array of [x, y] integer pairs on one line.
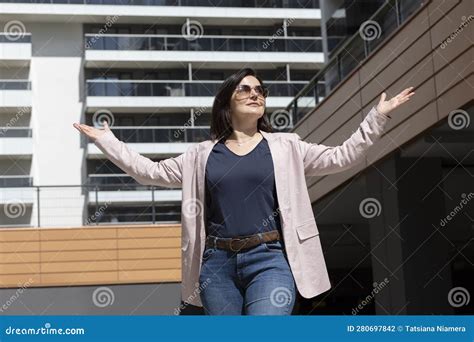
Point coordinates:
[[90, 255], [442, 78]]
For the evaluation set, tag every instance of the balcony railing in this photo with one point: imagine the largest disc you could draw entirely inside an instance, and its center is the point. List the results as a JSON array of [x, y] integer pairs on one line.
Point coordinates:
[[391, 15], [7, 37], [118, 181], [161, 134], [31, 206], [15, 85], [177, 88], [15, 181], [205, 43], [15, 132], [221, 3]]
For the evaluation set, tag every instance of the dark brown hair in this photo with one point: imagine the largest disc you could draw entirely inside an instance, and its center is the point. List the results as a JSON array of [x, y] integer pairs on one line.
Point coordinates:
[[221, 123]]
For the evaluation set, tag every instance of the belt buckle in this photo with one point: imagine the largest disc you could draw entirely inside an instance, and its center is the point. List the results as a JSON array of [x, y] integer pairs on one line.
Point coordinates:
[[230, 245]]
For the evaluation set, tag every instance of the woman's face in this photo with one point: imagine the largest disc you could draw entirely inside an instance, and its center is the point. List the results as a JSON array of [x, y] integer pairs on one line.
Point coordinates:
[[247, 106]]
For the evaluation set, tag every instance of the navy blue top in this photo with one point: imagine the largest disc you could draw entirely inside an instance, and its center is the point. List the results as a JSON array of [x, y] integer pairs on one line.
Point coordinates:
[[241, 194]]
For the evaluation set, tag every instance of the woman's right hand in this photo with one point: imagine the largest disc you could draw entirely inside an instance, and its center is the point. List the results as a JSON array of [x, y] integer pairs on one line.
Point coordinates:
[[92, 132]]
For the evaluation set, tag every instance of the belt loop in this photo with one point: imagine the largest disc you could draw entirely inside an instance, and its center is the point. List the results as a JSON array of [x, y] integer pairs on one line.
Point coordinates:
[[215, 242], [260, 237]]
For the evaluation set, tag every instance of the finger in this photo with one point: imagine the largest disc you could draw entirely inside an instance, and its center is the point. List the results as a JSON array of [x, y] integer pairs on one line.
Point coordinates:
[[406, 91], [106, 125], [382, 97]]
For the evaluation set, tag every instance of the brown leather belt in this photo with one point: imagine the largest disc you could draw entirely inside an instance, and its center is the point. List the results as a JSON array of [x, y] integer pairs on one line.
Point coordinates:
[[241, 242]]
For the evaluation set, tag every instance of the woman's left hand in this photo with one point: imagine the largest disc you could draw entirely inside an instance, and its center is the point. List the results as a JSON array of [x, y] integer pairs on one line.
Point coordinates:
[[385, 107]]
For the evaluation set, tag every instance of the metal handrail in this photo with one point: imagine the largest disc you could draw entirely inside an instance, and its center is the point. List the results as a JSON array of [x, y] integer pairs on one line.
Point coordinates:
[[316, 79]]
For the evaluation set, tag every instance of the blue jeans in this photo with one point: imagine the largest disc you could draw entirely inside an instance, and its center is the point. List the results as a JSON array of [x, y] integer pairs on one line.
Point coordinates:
[[253, 281]]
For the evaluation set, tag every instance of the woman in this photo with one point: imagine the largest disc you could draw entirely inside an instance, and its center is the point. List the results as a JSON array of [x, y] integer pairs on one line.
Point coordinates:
[[249, 238]]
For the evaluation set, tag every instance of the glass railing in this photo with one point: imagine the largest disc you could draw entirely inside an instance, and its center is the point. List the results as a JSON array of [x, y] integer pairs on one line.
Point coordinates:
[[209, 3], [27, 205], [178, 88], [204, 43], [162, 134], [15, 85], [15, 132], [349, 56], [113, 181], [15, 181], [6, 37]]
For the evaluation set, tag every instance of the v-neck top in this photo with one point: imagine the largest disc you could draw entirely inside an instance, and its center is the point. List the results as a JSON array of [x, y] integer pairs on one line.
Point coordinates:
[[241, 194]]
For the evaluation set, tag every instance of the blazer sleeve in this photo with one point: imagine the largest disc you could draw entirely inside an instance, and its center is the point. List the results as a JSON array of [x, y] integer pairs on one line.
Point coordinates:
[[319, 159], [166, 173]]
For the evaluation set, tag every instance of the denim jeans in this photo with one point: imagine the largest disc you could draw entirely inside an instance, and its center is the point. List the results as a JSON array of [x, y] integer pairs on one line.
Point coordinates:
[[252, 281]]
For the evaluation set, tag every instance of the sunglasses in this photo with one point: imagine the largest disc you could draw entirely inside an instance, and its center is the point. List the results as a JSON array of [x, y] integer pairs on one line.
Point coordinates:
[[245, 90]]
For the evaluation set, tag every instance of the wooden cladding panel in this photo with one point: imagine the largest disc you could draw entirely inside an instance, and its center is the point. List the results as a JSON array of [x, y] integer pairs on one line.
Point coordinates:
[[90, 255]]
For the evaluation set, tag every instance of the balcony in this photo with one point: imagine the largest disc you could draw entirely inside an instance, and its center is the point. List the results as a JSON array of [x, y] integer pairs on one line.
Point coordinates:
[[123, 189], [126, 50], [15, 50], [135, 95], [15, 94], [16, 141], [222, 3], [78, 205], [15, 181], [159, 140], [227, 12]]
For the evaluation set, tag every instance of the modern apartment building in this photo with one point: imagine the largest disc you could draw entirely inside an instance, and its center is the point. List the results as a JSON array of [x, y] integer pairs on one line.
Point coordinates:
[[151, 68]]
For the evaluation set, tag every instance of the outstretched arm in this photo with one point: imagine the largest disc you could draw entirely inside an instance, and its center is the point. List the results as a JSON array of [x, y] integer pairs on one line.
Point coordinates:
[[166, 173], [321, 160]]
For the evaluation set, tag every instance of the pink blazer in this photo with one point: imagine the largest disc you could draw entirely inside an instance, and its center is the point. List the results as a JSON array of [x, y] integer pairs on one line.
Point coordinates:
[[293, 159]]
